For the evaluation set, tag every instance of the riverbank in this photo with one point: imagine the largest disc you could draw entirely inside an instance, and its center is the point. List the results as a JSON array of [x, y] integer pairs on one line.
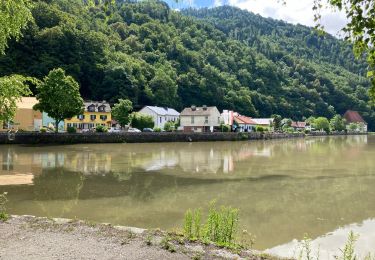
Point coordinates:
[[28, 237], [77, 138]]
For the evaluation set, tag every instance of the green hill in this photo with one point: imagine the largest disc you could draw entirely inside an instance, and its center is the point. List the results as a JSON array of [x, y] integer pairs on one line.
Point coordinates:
[[224, 56]]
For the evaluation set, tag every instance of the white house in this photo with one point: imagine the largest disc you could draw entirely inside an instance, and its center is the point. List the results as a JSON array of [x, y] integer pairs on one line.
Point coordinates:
[[200, 119], [161, 115]]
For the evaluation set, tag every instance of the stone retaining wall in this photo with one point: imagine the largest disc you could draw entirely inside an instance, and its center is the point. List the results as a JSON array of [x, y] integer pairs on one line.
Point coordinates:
[[65, 138]]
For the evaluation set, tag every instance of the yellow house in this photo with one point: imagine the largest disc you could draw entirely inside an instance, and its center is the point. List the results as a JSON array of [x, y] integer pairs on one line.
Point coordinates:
[[95, 114], [26, 118]]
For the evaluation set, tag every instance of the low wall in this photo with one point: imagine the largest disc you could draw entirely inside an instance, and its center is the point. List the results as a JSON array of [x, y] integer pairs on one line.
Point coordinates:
[[65, 138]]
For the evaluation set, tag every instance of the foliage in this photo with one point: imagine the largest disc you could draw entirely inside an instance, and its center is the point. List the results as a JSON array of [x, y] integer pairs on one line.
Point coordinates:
[[338, 123], [141, 121], [260, 129], [3, 212], [43, 130], [14, 16], [169, 126], [220, 227], [59, 96], [71, 129], [347, 253], [321, 123], [149, 54], [157, 129], [277, 122], [12, 88], [101, 129], [353, 127], [121, 111], [225, 128]]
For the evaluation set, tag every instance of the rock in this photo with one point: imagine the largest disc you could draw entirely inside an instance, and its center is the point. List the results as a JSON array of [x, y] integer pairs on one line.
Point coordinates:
[[195, 249], [130, 229], [226, 255], [62, 221]]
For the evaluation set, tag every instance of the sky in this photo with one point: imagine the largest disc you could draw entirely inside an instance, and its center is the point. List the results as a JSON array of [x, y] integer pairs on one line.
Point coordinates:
[[294, 11]]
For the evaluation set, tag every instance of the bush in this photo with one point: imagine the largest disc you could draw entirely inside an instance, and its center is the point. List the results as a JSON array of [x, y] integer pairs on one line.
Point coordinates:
[[157, 129], [225, 128], [71, 129], [3, 201], [43, 130], [141, 121], [259, 129], [169, 126], [101, 129]]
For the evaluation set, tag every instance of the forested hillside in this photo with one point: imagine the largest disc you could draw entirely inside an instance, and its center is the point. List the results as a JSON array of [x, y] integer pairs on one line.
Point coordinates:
[[153, 55]]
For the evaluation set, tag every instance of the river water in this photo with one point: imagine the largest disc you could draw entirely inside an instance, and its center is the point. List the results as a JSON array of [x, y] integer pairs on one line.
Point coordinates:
[[323, 187]]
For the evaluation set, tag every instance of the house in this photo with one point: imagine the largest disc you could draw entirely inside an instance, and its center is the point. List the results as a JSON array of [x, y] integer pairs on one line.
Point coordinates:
[[298, 126], [26, 117], [95, 113], [354, 117], [200, 119], [161, 115], [244, 124], [227, 117], [263, 122]]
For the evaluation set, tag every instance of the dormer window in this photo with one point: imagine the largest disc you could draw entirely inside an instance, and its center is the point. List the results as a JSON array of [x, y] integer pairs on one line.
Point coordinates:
[[91, 108], [101, 108]]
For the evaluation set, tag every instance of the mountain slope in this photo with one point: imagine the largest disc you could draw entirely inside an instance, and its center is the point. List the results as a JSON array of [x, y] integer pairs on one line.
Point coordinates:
[[153, 55]]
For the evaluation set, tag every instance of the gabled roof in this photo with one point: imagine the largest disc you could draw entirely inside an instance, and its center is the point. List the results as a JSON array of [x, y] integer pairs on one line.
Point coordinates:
[[199, 111], [298, 124], [262, 121], [97, 104], [163, 111], [353, 117], [244, 120]]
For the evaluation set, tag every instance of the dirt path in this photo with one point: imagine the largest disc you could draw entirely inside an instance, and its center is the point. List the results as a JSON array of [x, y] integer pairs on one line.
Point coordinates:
[[27, 237]]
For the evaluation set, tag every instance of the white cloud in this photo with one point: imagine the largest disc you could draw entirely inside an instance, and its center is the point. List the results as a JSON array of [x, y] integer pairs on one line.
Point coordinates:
[[293, 11]]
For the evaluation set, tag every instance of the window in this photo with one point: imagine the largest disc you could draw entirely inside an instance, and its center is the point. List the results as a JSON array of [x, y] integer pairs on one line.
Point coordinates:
[[91, 108], [218, 120], [69, 125], [206, 119], [160, 119], [74, 125], [81, 117], [101, 108], [192, 119], [103, 117], [92, 117]]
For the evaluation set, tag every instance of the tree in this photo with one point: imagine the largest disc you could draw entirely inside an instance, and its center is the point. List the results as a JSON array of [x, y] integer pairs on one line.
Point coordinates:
[[276, 122], [353, 127], [121, 111], [141, 121], [12, 88], [337, 123], [59, 96], [14, 16], [169, 126], [321, 123]]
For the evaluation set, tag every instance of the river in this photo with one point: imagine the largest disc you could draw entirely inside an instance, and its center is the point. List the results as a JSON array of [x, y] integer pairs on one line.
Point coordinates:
[[320, 186]]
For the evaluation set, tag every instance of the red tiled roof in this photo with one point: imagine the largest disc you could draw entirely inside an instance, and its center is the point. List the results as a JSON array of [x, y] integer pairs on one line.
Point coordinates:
[[298, 124], [353, 117], [244, 120]]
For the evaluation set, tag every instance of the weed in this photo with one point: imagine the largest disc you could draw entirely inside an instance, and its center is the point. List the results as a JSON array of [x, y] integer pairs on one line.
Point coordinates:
[[220, 227], [3, 211], [306, 251], [347, 253], [167, 245], [149, 239], [197, 257]]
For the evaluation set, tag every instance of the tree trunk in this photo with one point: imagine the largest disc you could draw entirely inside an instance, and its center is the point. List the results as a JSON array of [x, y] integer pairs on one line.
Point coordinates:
[[57, 126]]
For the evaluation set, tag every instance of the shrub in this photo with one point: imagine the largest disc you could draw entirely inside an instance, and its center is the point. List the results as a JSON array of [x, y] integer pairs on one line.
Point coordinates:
[[259, 129], [101, 129], [43, 130], [71, 129], [225, 128], [169, 126], [157, 129], [141, 121]]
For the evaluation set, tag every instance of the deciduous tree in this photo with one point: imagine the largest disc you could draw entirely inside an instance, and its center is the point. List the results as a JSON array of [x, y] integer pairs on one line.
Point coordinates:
[[121, 111]]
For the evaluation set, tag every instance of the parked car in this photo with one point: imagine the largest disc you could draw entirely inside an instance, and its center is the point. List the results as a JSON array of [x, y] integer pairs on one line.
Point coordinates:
[[148, 130], [134, 130], [114, 130]]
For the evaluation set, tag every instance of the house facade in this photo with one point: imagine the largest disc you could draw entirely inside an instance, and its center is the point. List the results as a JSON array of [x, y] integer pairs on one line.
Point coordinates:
[[200, 119], [354, 117], [161, 115], [95, 114], [264, 122], [299, 126], [243, 124], [26, 117]]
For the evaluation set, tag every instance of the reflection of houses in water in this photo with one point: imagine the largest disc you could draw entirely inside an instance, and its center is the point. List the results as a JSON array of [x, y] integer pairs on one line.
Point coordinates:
[[89, 162], [13, 162], [202, 161], [159, 161]]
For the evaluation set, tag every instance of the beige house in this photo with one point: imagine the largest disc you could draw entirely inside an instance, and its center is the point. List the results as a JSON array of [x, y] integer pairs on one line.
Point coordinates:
[[199, 119], [26, 118]]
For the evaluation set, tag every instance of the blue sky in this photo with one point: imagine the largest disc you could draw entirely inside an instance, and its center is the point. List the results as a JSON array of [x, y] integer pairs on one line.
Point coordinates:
[[294, 11]]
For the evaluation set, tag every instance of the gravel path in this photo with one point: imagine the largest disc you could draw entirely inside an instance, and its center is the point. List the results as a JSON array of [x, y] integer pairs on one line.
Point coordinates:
[[24, 238]]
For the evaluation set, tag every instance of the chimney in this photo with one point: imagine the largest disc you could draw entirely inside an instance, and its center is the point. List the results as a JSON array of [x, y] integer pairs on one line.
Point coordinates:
[[204, 107], [193, 108]]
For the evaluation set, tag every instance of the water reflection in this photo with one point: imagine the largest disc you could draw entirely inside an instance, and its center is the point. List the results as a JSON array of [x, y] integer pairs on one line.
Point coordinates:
[[284, 188]]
